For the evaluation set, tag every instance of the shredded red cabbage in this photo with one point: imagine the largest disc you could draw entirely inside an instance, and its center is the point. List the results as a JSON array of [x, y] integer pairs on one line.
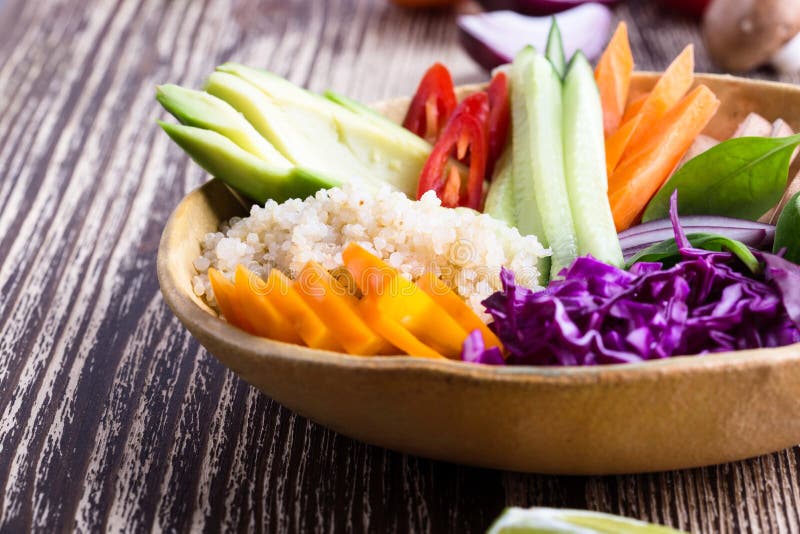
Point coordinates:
[[600, 314]]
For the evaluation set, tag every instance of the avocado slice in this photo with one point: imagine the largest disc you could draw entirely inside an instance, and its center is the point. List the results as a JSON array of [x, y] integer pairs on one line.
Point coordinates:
[[202, 110], [387, 153], [322, 151], [258, 179]]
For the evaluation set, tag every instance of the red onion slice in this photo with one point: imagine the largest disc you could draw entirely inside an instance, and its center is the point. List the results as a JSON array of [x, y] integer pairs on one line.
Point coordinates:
[[492, 39], [537, 7]]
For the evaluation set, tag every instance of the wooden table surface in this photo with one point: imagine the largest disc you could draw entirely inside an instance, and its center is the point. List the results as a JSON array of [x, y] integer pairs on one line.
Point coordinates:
[[113, 417]]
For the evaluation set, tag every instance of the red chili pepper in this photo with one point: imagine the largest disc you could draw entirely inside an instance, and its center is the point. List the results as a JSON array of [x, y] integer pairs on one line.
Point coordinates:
[[465, 131], [433, 103], [499, 119]]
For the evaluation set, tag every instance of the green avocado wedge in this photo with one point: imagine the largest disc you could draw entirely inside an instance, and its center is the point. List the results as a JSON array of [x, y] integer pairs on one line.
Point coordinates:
[[254, 177], [321, 151], [386, 154], [202, 110]]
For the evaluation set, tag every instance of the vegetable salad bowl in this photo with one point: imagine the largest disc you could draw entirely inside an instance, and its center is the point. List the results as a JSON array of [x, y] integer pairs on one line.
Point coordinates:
[[675, 413]]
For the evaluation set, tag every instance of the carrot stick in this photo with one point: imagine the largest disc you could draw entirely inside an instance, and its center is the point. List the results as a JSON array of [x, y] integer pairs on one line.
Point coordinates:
[[667, 92], [618, 141], [639, 176], [634, 108], [613, 76]]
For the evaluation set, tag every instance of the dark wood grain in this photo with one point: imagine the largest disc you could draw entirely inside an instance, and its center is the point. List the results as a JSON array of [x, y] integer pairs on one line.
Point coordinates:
[[112, 416]]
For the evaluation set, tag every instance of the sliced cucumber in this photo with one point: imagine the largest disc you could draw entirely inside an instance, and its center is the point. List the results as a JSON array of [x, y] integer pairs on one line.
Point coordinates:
[[500, 198], [202, 110], [555, 49], [243, 171], [542, 91], [526, 211], [585, 164]]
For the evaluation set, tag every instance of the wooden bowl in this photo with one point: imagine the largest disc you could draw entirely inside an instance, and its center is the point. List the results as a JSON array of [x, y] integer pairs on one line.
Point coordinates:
[[676, 413]]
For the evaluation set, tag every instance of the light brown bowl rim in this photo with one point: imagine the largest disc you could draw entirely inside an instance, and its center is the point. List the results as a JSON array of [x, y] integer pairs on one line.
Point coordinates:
[[195, 318]]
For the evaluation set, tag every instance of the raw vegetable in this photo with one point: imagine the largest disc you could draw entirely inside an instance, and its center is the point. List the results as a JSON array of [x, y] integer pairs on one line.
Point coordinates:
[[202, 110], [741, 178], [666, 94], [786, 277], [500, 198], [385, 154], [638, 177], [541, 88], [252, 176], [271, 123], [667, 252], [499, 121], [402, 304], [526, 212], [690, 7], [584, 164], [450, 302], [787, 231], [264, 317], [337, 310], [618, 141], [425, 3], [564, 521], [228, 300], [613, 76], [281, 293], [705, 223], [753, 234], [494, 39], [554, 51], [393, 331], [600, 314], [538, 7], [465, 131], [432, 104]]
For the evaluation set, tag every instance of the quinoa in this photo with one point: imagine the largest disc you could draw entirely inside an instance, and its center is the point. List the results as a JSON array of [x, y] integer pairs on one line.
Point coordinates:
[[465, 248]]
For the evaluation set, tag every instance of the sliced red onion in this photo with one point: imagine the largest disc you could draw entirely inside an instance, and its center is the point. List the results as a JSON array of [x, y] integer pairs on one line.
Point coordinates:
[[538, 7], [697, 223], [757, 239], [492, 39]]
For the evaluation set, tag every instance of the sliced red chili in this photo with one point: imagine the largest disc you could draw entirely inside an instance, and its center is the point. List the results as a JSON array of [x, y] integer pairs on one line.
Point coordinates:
[[466, 135], [433, 103], [499, 119]]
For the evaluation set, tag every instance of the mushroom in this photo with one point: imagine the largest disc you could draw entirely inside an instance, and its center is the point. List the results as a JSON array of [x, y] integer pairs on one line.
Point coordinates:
[[744, 34]]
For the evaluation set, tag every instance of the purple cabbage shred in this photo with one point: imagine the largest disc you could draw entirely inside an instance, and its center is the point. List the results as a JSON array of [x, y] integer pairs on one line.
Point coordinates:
[[600, 314]]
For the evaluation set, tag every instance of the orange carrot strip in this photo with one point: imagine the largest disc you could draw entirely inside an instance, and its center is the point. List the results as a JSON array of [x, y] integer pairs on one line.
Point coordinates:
[[668, 91], [638, 177], [266, 319], [618, 141], [309, 327], [228, 300], [613, 76], [634, 108]]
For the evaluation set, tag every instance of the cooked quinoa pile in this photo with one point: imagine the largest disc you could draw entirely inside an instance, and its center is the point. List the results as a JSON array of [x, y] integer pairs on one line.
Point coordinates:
[[465, 248]]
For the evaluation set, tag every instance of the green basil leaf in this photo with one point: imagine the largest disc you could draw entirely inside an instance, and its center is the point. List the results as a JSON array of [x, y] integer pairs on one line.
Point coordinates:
[[787, 231], [742, 177], [668, 254]]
